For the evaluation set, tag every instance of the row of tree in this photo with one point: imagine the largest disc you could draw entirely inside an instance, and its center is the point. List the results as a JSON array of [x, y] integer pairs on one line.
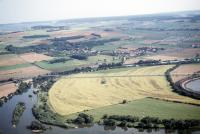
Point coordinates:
[[83, 119], [148, 122], [58, 45], [60, 60]]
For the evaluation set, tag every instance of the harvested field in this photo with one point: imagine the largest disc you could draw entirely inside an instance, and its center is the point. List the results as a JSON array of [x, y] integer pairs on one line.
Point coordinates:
[[10, 59], [64, 33], [131, 61], [36, 42], [175, 54], [33, 57], [185, 69], [161, 57], [93, 90], [186, 53], [6, 89], [25, 72]]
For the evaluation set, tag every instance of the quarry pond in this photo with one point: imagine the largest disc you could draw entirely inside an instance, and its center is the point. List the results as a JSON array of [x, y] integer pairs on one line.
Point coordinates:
[[27, 117], [194, 85]]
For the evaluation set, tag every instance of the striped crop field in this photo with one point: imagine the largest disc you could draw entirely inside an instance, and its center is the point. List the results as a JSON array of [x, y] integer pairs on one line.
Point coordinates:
[[88, 91]]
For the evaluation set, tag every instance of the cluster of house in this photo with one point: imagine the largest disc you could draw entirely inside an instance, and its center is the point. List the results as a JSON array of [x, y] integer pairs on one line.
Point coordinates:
[[137, 51]]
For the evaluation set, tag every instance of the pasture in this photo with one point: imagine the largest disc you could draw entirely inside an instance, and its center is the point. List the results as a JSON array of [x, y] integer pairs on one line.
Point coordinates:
[[73, 63], [148, 107], [4, 68], [88, 91]]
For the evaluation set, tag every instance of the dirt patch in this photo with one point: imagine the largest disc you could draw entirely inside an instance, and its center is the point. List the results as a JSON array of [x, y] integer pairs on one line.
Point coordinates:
[[65, 33], [6, 89], [33, 57], [39, 41], [178, 54], [131, 61], [162, 57], [26, 72], [185, 53], [10, 59], [186, 70]]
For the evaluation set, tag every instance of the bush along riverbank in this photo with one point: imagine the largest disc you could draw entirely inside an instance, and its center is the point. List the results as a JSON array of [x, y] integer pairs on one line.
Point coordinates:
[[41, 110], [82, 119], [22, 87], [36, 126], [17, 113], [147, 122], [1, 103], [44, 114]]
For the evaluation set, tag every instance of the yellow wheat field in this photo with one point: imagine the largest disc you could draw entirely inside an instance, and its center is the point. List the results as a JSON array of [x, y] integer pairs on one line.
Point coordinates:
[[92, 90]]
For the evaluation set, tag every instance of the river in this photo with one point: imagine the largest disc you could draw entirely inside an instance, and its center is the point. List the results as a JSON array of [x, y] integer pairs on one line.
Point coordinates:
[[8, 107]]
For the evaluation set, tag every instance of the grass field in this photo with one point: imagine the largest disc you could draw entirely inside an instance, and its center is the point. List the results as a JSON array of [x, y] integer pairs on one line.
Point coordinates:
[[68, 65], [81, 92], [71, 64], [148, 107], [4, 68]]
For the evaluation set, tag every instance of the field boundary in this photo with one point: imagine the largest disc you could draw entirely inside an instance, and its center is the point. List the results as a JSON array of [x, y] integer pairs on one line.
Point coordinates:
[[174, 101]]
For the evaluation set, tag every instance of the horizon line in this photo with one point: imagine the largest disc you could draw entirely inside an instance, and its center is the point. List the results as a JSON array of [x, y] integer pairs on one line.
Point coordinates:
[[100, 17]]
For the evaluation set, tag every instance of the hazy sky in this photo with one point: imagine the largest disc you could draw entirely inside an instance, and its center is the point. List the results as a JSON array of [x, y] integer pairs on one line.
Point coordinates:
[[37, 10]]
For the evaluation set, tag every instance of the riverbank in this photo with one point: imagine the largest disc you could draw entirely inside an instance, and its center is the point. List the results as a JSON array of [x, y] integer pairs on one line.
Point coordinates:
[[21, 87], [45, 113], [148, 107], [178, 86], [6, 112]]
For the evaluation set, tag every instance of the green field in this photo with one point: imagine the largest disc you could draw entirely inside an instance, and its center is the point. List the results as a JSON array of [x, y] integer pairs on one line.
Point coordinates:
[[71, 64], [148, 107], [4, 68]]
